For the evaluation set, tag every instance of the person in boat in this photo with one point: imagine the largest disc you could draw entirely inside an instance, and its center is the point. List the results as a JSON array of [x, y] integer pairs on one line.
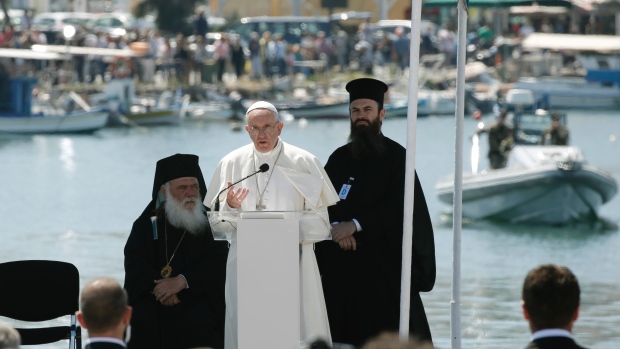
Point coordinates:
[[105, 313], [5, 88], [500, 141], [550, 302], [361, 266], [294, 181], [556, 134], [174, 270]]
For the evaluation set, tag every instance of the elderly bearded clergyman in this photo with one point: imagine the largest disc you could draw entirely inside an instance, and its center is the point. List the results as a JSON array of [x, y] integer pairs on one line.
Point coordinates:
[[295, 181], [174, 270]]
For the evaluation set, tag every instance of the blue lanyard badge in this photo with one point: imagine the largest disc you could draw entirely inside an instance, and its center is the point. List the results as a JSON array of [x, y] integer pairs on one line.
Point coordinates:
[[345, 189]]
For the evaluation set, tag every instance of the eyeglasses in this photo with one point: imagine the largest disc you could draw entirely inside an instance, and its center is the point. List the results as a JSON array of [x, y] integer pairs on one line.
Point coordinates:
[[255, 131]]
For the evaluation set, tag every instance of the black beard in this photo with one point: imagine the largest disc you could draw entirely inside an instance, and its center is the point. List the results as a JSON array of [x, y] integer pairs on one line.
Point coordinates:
[[366, 141]]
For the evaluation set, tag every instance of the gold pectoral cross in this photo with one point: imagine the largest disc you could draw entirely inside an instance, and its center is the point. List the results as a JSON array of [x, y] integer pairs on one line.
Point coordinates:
[[166, 271]]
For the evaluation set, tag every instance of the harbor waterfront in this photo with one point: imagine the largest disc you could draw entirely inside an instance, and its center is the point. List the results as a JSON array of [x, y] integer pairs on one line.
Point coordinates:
[[74, 198]]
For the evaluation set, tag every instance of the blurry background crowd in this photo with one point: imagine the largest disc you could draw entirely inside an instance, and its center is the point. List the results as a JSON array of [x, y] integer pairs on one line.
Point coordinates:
[[201, 48]]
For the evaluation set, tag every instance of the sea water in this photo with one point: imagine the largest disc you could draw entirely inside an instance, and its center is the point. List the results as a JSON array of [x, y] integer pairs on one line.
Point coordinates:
[[74, 198]]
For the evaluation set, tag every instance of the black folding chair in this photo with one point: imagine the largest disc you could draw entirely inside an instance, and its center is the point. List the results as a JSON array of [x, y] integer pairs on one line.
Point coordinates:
[[39, 290]]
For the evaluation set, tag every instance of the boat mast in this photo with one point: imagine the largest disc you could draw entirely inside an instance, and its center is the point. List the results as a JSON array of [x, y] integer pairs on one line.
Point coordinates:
[[457, 210], [412, 116]]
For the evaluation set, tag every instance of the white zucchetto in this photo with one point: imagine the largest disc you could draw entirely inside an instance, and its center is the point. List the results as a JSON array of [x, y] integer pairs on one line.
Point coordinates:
[[262, 105]]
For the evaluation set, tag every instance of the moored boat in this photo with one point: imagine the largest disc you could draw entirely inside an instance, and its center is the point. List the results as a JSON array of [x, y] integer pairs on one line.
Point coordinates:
[[20, 116], [126, 109], [598, 55], [314, 110], [542, 184], [549, 184]]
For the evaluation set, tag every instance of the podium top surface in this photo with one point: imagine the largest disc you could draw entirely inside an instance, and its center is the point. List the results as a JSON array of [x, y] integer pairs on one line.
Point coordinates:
[[236, 215], [224, 223]]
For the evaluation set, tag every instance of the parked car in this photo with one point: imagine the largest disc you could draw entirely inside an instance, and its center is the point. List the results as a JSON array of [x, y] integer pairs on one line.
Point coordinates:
[[388, 26], [292, 28], [52, 23], [118, 23]]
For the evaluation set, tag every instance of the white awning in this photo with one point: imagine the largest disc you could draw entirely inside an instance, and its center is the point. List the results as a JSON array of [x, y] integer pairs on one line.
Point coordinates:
[[28, 54], [535, 9], [76, 50], [589, 5], [596, 43]]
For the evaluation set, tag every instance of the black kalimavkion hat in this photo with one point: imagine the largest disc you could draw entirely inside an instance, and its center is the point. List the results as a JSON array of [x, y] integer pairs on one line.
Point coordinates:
[[177, 166], [367, 88]]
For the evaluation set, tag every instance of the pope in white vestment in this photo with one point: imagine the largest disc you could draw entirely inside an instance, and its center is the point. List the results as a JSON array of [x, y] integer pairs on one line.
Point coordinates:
[[295, 181]]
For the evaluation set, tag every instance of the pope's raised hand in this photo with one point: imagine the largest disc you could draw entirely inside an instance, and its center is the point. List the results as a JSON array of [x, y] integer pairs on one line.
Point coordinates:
[[235, 197]]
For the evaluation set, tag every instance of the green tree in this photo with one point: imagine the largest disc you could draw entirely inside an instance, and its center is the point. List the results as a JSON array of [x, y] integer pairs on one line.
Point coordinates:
[[5, 9], [172, 15]]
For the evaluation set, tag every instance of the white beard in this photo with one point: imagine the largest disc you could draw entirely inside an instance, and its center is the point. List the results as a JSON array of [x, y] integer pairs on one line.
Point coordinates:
[[194, 220]]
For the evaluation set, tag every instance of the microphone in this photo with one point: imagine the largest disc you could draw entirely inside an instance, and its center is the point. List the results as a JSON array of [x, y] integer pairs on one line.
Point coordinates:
[[261, 168]]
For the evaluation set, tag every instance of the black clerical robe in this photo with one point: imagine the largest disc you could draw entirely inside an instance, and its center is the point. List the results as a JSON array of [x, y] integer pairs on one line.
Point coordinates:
[[198, 320], [554, 343], [362, 287], [103, 345]]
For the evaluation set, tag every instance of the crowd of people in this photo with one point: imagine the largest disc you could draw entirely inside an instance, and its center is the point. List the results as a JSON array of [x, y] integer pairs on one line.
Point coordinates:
[[208, 56], [180, 286]]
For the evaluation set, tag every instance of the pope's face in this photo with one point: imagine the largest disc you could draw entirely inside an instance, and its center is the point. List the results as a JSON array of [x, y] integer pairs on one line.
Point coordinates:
[[264, 129], [184, 188], [364, 111]]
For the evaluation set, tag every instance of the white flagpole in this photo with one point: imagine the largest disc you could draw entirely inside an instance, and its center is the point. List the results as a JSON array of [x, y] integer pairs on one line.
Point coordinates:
[[455, 304], [412, 117]]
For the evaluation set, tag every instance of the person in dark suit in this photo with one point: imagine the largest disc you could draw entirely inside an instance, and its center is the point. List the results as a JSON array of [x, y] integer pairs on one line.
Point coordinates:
[[550, 304], [104, 312]]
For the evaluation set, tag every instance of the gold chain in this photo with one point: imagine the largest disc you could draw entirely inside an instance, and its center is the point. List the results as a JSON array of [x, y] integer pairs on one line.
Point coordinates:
[[166, 271]]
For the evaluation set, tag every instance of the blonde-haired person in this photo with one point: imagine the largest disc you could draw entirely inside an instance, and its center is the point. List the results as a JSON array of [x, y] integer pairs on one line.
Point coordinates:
[[391, 340]]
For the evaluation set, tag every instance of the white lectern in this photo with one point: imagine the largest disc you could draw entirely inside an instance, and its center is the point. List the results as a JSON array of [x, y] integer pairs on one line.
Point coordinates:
[[268, 279]]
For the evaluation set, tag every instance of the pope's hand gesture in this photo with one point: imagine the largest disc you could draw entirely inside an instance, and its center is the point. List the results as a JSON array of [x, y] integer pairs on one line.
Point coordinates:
[[235, 197]]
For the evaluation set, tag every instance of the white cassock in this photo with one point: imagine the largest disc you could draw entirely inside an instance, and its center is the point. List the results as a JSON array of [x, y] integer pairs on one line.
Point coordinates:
[[295, 181]]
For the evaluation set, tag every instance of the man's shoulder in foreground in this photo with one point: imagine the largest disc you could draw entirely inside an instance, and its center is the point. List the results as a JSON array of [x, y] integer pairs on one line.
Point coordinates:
[[104, 343], [554, 343]]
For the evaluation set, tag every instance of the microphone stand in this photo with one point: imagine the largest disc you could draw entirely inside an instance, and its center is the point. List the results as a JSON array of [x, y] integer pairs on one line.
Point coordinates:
[[262, 168]]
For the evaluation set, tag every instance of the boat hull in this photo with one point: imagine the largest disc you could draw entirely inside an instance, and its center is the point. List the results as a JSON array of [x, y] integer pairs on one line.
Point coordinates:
[[429, 103], [571, 92], [210, 111], [547, 194], [318, 111], [156, 117], [75, 122]]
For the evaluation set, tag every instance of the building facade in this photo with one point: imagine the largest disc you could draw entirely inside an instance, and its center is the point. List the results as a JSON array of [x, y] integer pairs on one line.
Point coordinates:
[[395, 9]]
